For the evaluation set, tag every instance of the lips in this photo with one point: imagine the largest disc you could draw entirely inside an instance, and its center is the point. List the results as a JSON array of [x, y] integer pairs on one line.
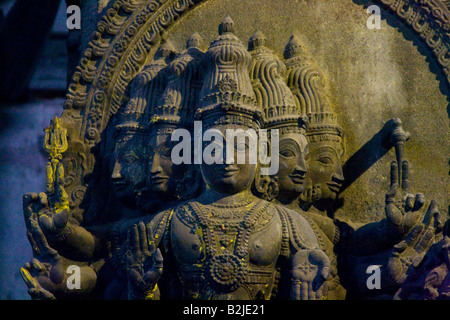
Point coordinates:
[[158, 179], [297, 178], [228, 172], [334, 186], [119, 185]]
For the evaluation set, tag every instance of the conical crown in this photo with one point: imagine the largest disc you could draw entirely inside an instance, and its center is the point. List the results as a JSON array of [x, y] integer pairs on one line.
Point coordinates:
[[307, 83], [272, 93], [178, 102], [144, 91], [227, 95]]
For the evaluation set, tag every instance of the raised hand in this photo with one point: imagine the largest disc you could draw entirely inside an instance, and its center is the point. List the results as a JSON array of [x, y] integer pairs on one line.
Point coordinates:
[[310, 270], [144, 263], [44, 275], [403, 209], [409, 253], [50, 210]]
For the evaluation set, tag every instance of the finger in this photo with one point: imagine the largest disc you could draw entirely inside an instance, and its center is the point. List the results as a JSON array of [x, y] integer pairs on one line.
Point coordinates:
[[60, 219], [46, 222], [318, 290], [34, 246], [28, 279], [296, 290], [432, 212], [405, 176], [37, 265], [304, 290], [150, 239], [426, 241], [142, 237], [27, 201], [311, 292], [409, 202], [394, 174], [135, 240], [43, 199], [419, 201], [158, 259], [49, 178], [322, 293], [414, 235], [42, 243], [399, 248]]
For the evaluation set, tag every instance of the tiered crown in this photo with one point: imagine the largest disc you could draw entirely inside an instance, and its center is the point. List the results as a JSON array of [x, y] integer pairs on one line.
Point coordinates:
[[272, 93], [144, 92], [227, 94], [306, 81], [177, 104]]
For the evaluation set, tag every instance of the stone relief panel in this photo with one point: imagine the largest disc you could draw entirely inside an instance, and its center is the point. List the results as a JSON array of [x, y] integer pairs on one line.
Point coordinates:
[[347, 192]]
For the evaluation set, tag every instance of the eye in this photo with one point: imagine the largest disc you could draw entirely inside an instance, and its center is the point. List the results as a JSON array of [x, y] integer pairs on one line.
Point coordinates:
[[166, 153], [129, 157], [287, 153], [325, 160]]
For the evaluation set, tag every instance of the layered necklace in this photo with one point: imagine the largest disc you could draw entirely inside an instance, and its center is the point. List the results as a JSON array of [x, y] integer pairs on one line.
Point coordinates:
[[226, 232]]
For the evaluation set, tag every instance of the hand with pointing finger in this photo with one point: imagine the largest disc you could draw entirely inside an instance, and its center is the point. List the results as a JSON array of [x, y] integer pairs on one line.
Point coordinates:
[[403, 209]]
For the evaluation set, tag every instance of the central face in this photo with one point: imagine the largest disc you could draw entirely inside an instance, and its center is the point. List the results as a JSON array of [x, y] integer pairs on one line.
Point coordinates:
[[128, 168], [293, 153], [228, 178]]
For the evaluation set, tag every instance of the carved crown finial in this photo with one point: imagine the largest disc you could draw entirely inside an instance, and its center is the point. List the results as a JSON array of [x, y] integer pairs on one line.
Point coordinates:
[[257, 40], [226, 26], [293, 48], [194, 41]]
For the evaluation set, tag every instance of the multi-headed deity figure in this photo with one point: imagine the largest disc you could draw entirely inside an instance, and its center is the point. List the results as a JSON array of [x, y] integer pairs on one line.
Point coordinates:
[[227, 243], [223, 228]]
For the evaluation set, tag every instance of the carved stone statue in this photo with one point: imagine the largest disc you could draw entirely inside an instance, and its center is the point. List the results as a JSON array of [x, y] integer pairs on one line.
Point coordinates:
[[227, 243], [149, 226]]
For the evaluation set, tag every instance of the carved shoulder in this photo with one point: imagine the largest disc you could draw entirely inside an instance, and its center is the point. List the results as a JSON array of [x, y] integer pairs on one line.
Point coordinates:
[[300, 233]]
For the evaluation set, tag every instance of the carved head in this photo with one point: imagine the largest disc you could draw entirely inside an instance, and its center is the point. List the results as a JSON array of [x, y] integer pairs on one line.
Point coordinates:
[[306, 81], [128, 166], [228, 103], [131, 130], [174, 110], [282, 114], [325, 160]]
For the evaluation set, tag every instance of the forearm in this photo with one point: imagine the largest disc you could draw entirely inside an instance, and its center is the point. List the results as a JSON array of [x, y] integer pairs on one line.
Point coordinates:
[[76, 243], [371, 238]]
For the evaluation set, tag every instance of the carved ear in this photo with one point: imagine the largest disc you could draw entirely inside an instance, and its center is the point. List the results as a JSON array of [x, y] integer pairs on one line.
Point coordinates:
[[265, 187]]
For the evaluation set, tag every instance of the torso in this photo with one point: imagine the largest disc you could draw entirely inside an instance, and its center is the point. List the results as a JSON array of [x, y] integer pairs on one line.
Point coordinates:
[[226, 252]]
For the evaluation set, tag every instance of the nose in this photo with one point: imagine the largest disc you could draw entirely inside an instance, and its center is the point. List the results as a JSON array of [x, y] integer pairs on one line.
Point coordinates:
[[338, 175], [116, 171], [301, 166], [155, 166]]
